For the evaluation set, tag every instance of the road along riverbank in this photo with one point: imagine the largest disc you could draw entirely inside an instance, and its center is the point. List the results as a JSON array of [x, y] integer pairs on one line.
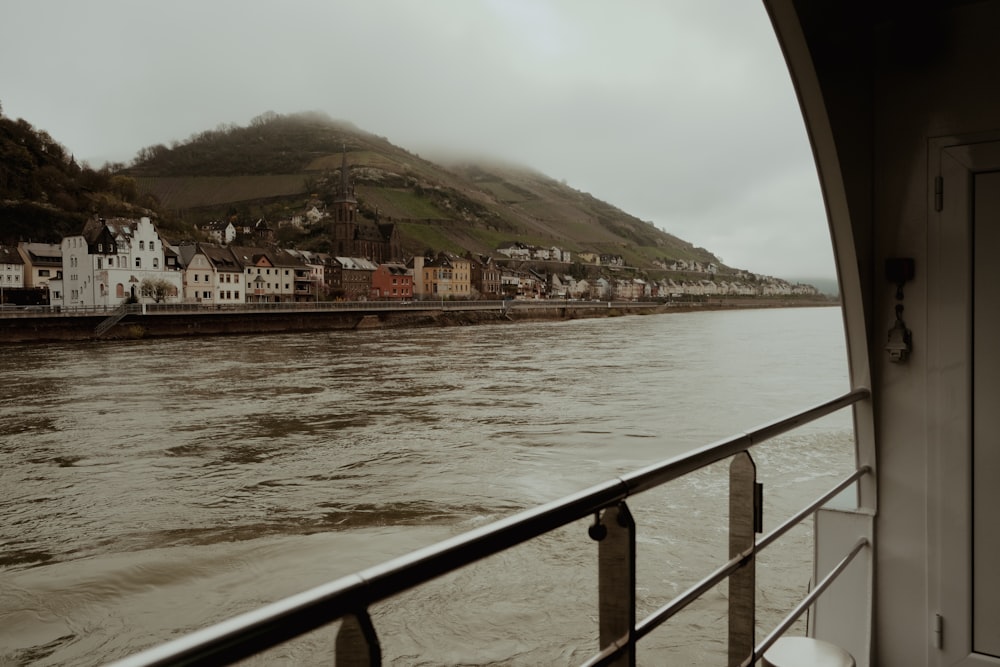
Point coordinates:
[[174, 320]]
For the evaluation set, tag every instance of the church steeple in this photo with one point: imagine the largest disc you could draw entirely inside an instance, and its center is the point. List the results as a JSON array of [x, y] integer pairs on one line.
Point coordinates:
[[344, 191], [344, 203]]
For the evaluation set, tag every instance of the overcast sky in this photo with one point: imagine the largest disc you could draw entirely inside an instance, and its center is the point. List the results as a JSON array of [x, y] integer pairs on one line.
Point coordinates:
[[679, 112]]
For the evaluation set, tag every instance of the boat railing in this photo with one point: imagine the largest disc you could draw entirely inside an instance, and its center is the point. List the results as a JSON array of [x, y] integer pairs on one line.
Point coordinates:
[[349, 598]]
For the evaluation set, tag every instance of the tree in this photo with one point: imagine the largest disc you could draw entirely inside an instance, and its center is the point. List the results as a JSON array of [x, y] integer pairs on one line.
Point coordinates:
[[157, 288], [125, 187]]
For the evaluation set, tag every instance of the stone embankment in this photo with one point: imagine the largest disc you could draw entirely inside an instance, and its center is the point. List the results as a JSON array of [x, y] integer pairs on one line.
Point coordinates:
[[55, 327]]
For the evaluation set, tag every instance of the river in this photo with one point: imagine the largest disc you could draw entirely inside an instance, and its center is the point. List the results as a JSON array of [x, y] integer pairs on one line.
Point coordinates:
[[154, 487]]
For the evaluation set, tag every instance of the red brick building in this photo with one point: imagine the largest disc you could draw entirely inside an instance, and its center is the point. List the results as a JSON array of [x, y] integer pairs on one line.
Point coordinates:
[[392, 281]]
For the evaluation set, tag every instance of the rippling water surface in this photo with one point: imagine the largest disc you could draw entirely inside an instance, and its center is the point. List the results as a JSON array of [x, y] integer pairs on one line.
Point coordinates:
[[154, 487]]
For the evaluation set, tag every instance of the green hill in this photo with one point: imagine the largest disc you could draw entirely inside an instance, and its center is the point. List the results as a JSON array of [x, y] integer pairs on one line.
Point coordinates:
[[278, 166]]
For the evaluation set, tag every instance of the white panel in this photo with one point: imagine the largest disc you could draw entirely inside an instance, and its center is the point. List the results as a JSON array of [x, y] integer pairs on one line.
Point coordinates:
[[986, 417], [842, 615]]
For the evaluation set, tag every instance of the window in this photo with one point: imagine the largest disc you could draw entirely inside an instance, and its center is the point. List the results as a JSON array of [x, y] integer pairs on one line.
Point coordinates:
[[100, 262], [43, 273], [151, 245], [100, 247], [156, 262], [236, 294], [207, 278], [142, 245], [196, 277]]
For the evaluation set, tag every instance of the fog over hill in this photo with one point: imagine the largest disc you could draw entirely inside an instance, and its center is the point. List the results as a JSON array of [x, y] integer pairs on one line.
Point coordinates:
[[679, 112], [279, 166]]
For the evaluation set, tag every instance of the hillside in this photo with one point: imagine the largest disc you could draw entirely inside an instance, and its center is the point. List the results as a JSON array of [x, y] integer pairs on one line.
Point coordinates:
[[45, 194], [279, 166]]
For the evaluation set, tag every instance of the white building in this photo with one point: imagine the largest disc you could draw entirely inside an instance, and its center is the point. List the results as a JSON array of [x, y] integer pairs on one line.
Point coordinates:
[[198, 275], [315, 271], [221, 232], [42, 264], [113, 260], [11, 268], [269, 276], [228, 273]]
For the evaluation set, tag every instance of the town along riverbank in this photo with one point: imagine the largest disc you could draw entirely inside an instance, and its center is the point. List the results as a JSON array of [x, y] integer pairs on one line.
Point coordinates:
[[191, 320]]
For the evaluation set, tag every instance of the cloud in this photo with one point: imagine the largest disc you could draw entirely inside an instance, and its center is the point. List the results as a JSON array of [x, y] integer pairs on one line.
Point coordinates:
[[680, 112]]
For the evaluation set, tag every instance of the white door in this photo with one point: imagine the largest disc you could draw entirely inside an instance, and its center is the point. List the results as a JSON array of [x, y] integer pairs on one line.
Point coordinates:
[[963, 320], [986, 416]]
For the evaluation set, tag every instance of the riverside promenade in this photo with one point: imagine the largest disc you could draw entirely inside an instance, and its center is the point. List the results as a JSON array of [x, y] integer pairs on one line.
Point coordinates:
[[30, 324], [132, 321]]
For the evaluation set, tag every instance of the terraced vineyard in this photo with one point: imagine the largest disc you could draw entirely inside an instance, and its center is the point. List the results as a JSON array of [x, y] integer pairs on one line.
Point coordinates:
[[281, 166], [185, 192]]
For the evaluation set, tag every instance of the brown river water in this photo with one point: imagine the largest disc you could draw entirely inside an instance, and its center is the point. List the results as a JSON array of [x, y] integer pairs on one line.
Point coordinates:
[[150, 488]]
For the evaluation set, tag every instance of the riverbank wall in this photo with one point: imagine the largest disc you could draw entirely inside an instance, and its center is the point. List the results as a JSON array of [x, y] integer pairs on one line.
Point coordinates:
[[45, 328]]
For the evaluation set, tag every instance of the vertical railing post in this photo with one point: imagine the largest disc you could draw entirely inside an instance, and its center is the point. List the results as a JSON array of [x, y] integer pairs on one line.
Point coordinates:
[[743, 523], [615, 532], [357, 643]]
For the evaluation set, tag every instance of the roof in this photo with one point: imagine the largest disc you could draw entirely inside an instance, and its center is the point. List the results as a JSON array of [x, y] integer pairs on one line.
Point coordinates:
[[10, 255], [285, 258], [395, 269], [221, 257], [186, 253], [43, 253], [356, 264], [250, 256]]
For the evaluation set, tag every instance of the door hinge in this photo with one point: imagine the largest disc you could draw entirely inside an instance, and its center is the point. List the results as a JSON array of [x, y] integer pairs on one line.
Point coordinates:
[[938, 193], [937, 631]]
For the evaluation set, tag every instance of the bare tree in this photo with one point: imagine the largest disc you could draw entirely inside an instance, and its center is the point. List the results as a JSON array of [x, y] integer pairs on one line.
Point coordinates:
[[157, 288]]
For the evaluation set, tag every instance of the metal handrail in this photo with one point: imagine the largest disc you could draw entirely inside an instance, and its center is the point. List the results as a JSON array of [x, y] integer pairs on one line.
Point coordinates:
[[660, 473], [807, 601], [268, 626], [676, 605]]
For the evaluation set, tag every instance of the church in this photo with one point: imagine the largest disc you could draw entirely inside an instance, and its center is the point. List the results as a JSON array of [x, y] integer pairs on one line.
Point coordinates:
[[356, 236]]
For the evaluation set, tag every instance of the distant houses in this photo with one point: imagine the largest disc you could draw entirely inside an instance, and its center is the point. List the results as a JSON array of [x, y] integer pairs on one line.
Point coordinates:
[[517, 250], [114, 261], [442, 276]]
